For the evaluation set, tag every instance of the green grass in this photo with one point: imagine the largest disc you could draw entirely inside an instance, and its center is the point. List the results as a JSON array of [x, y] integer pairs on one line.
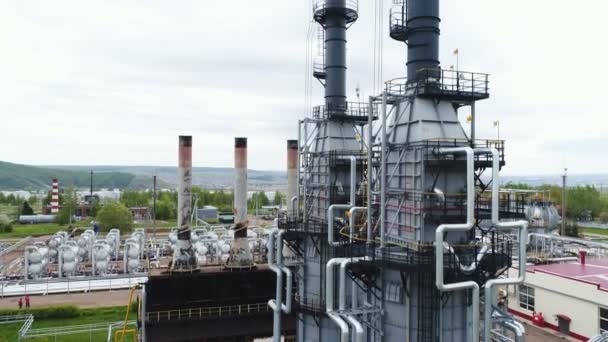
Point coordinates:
[[87, 316], [597, 231], [23, 230]]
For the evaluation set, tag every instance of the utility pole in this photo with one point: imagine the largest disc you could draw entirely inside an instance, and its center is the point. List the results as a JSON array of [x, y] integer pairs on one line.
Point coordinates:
[[91, 188], [564, 201], [154, 208]]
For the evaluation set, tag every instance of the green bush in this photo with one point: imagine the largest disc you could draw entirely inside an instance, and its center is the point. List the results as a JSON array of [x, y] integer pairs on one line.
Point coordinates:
[[115, 215], [49, 312], [6, 227]]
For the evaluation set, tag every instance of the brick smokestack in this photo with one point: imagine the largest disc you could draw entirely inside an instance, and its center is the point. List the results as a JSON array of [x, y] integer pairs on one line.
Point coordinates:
[[292, 172], [55, 197], [183, 258], [240, 255]]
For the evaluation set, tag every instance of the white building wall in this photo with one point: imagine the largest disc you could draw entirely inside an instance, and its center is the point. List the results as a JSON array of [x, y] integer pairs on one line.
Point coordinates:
[[558, 295]]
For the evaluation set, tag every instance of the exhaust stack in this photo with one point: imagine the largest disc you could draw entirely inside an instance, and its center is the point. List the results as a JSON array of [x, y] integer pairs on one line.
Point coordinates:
[[183, 257], [292, 170], [240, 254]]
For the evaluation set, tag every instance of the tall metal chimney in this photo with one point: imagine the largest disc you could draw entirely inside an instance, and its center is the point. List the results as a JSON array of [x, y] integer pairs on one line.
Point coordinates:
[[183, 257], [240, 254], [292, 173], [334, 16], [416, 23], [423, 36]]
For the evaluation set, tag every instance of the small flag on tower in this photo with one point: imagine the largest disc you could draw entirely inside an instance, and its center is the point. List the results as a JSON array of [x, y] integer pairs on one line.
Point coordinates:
[[496, 123], [456, 51]]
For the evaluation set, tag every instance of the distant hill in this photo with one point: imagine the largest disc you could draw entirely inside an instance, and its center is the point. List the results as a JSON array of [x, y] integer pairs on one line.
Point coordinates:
[[207, 177], [26, 177]]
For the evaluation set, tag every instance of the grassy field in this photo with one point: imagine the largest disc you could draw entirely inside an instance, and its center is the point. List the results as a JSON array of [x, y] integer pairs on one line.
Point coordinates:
[[87, 316], [23, 230], [597, 231]]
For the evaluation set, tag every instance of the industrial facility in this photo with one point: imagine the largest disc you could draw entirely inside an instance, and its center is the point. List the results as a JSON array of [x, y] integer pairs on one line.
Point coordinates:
[[395, 229]]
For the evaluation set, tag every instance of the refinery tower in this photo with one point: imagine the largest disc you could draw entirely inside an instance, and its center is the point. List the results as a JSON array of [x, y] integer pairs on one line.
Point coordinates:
[[401, 231]]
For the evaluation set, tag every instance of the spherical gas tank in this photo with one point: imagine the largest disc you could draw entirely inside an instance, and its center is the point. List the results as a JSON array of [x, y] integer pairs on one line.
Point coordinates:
[[225, 258], [82, 241], [173, 237], [44, 251], [194, 237], [35, 268], [133, 252], [69, 267], [52, 253], [133, 264], [225, 248], [68, 255], [82, 252], [34, 257], [53, 243], [201, 259], [101, 254], [101, 266]]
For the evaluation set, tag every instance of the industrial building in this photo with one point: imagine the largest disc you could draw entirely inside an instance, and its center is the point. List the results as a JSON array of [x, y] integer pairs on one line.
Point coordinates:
[[395, 228]]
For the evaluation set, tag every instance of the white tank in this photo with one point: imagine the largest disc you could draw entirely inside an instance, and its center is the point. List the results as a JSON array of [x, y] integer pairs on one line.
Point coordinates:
[[133, 264], [225, 258], [101, 254], [68, 255], [201, 259], [52, 253], [35, 268], [53, 242], [225, 248], [173, 237], [34, 257], [133, 252], [69, 267], [82, 252], [101, 266]]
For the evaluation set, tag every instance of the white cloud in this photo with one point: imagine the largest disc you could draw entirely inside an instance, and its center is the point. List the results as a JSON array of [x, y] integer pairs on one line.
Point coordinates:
[[114, 82]]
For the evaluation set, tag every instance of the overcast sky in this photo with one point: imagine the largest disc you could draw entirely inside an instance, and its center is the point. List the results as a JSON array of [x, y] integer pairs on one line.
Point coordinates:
[[115, 82]]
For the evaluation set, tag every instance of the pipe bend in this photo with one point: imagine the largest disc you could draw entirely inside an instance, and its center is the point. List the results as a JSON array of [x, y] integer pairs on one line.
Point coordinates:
[[330, 222]]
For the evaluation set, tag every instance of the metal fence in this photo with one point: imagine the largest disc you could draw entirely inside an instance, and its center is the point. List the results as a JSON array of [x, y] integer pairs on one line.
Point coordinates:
[[208, 312], [69, 284]]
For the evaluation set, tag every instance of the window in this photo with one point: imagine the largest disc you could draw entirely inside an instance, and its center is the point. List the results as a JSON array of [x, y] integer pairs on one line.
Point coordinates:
[[603, 320], [526, 297]]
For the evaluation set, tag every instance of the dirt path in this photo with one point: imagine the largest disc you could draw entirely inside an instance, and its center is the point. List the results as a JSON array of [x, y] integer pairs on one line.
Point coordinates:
[[83, 300]]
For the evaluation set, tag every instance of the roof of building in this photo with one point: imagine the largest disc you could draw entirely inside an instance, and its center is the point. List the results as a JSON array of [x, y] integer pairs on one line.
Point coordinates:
[[593, 272]]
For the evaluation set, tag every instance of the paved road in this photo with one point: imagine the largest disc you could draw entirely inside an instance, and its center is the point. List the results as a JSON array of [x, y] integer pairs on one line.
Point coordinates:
[[83, 300], [536, 334]]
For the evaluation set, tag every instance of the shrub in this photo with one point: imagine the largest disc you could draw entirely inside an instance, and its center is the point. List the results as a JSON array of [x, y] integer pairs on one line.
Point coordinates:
[[6, 227], [115, 215]]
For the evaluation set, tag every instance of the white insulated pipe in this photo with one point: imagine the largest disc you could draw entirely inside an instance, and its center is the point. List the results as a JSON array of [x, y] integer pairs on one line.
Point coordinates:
[[444, 228], [370, 143], [357, 326], [292, 174], [289, 277], [330, 221], [294, 206], [383, 175], [329, 298], [275, 304], [523, 235]]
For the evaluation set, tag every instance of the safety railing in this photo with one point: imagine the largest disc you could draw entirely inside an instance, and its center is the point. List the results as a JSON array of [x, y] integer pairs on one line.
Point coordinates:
[[398, 21], [455, 84], [350, 111], [208, 312], [321, 8], [69, 284]]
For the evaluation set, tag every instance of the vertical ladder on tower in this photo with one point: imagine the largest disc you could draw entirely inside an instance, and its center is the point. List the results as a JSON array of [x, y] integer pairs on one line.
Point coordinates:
[[319, 61]]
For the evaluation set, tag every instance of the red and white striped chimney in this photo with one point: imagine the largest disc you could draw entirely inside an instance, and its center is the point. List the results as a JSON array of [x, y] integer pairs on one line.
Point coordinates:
[[55, 197]]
